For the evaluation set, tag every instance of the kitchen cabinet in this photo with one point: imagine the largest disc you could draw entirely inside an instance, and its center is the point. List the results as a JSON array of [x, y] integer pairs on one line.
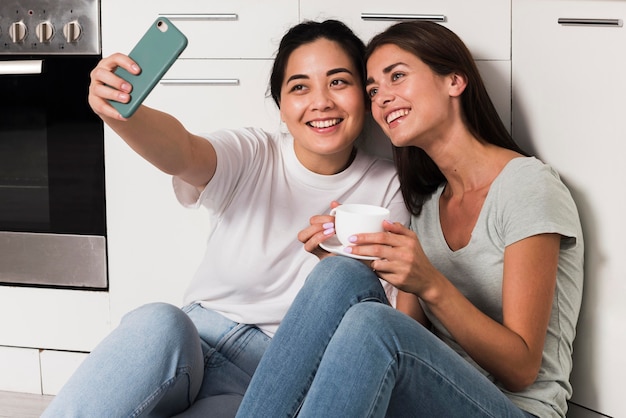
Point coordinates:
[[568, 108], [484, 26], [223, 30]]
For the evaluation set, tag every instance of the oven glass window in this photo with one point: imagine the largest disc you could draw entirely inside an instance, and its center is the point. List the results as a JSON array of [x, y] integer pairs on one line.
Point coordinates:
[[51, 150]]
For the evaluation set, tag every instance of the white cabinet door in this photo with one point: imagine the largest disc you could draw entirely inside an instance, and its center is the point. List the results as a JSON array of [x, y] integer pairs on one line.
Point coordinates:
[[215, 29], [569, 108], [484, 25]]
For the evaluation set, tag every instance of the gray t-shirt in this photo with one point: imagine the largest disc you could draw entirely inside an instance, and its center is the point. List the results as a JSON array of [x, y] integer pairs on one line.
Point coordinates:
[[527, 198]]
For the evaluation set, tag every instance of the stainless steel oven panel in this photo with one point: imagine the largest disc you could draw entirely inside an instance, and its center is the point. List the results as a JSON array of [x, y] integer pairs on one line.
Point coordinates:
[[53, 260], [32, 27]]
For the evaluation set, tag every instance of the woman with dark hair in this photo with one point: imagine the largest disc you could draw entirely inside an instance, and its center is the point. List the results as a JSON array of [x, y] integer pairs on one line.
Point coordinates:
[[260, 189], [491, 267]]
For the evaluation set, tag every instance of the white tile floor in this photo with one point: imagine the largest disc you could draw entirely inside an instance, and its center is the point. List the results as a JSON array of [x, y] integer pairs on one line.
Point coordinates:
[[22, 405]]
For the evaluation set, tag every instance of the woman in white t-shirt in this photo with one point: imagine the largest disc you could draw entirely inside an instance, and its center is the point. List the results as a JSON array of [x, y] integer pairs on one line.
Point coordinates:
[[491, 267], [260, 189]]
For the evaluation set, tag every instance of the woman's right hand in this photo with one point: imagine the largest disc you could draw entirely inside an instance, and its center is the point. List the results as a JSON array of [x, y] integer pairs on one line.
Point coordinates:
[[106, 85]]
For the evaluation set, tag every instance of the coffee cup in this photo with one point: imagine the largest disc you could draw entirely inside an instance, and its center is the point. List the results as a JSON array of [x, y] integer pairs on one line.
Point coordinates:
[[356, 218]]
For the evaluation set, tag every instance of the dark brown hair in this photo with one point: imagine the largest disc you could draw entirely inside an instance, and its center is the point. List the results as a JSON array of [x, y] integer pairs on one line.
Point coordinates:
[[445, 53], [308, 32]]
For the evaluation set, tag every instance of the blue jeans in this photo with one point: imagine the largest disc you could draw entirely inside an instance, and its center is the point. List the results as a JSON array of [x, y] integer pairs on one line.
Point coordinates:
[[162, 361], [342, 351]]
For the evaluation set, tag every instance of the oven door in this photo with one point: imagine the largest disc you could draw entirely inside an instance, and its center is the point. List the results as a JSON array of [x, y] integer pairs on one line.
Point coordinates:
[[52, 196]]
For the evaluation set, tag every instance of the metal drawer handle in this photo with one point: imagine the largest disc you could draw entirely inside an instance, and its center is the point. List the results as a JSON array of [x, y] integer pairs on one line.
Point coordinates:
[[202, 16], [201, 81], [400, 17], [21, 67], [590, 22]]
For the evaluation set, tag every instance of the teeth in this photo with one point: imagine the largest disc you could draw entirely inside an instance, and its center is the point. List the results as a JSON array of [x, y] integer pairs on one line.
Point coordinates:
[[397, 114], [324, 123]]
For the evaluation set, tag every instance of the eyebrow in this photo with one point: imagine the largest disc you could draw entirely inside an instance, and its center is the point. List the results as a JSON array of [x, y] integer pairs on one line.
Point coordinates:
[[328, 73], [386, 70]]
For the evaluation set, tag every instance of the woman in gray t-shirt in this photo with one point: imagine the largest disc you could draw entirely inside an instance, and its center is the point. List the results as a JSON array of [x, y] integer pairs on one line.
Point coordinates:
[[490, 271]]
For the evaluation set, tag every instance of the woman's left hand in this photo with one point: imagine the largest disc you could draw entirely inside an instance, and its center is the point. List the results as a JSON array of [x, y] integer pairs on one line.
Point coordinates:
[[321, 228]]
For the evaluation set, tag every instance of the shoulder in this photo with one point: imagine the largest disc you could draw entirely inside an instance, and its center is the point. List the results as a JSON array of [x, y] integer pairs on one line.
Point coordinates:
[[529, 178], [531, 197], [526, 169], [242, 141]]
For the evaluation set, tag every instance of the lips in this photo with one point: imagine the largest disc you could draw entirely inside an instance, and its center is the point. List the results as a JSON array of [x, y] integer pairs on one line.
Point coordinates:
[[396, 114], [321, 124]]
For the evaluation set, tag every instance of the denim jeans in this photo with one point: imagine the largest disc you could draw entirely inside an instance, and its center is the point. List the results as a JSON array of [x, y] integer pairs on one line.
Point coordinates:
[[342, 351], [161, 361]]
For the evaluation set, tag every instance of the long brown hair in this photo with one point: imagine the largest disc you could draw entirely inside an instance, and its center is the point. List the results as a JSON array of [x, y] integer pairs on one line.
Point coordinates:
[[445, 53]]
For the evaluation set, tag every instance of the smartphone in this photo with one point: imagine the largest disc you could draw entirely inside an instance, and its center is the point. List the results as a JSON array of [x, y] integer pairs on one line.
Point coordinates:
[[155, 53]]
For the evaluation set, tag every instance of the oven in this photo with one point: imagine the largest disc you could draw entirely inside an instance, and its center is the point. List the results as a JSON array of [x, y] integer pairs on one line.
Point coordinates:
[[52, 188]]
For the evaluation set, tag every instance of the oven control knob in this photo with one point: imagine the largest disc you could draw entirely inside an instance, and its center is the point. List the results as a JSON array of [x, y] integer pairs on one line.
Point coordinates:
[[72, 31], [44, 31], [17, 31]]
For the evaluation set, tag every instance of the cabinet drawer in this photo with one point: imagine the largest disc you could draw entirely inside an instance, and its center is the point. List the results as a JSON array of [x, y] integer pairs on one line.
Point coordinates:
[[206, 95], [484, 25], [232, 29]]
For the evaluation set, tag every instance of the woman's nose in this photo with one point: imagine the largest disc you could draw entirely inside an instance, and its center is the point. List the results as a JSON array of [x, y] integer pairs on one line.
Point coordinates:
[[382, 98], [322, 101]]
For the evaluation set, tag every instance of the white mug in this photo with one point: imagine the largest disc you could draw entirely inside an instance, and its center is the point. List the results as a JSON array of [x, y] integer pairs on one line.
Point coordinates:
[[355, 218]]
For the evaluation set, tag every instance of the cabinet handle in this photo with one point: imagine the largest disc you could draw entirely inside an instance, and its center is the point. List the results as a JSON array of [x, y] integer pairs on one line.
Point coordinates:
[[21, 67], [400, 17], [589, 22], [201, 81], [203, 16]]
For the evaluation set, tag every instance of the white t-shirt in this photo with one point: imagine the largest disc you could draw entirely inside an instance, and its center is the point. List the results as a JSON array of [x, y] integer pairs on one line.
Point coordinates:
[[259, 199], [527, 198]]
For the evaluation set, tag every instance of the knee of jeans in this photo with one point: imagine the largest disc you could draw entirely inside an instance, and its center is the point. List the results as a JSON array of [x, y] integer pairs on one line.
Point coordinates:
[[341, 273], [369, 317], [161, 321]]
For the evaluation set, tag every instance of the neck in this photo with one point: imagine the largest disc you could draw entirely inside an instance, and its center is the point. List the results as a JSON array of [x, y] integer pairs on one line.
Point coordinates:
[[326, 164]]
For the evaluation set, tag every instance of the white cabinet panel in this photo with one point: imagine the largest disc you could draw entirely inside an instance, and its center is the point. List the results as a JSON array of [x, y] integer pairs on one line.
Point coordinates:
[[568, 107], [211, 94], [20, 370], [484, 25], [215, 29], [56, 368], [53, 318]]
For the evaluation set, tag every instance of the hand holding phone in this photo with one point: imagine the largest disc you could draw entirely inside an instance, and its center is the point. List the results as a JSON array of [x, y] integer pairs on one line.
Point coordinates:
[[155, 53]]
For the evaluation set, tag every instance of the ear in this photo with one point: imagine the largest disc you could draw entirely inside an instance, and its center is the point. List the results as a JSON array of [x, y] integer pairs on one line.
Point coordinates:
[[458, 82]]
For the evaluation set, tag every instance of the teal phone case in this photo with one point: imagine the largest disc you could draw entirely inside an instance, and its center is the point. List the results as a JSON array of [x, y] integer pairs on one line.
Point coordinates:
[[155, 53]]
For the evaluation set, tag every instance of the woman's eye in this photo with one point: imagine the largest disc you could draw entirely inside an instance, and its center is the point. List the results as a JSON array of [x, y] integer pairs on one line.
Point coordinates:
[[297, 87], [338, 82], [372, 92], [396, 76]]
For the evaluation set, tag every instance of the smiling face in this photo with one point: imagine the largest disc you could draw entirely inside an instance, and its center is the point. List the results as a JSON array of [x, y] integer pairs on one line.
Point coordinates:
[[413, 105], [323, 105]]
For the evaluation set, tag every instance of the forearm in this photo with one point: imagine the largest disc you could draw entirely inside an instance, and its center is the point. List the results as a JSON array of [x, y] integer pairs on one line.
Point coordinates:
[[496, 348], [163, 141]]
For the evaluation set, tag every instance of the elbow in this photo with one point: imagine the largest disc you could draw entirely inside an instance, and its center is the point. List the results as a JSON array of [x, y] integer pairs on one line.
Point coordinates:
[[521, 379]]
